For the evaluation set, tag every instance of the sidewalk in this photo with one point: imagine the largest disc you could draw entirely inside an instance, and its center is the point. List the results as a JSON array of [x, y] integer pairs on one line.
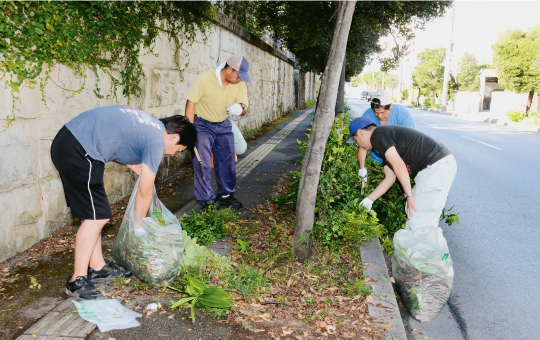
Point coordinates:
[[258, 171]]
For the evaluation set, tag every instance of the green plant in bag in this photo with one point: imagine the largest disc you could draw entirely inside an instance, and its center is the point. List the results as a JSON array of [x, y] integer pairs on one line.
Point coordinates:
[[201, 296]]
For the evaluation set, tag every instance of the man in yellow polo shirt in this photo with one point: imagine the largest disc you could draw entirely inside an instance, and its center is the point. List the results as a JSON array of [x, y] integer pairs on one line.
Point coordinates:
[[213, 96]]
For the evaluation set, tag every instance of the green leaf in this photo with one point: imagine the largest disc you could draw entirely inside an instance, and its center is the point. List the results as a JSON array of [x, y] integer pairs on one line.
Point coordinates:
[[33, 280], [182, 301], [198, 285], [214, 297]]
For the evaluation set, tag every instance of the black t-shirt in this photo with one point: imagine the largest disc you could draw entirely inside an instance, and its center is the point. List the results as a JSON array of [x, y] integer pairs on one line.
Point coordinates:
[[417, 149]]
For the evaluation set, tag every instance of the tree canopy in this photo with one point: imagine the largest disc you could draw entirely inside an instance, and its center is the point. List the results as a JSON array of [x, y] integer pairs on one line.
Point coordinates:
[[373, 78], [516, 56], [429, 73], [391, 81], [468, 76], [306, 28]]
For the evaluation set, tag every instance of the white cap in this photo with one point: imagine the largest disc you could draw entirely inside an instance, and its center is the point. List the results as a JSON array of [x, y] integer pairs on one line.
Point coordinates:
[[383, 97]]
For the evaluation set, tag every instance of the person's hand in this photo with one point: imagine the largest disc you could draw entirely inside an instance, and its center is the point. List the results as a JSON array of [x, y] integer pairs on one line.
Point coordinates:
[[411, 205], [367, 202], [137, 168], [235, 109], [362, 174]]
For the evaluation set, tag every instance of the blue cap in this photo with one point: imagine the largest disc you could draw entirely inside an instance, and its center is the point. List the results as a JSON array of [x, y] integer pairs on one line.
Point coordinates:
[[240, 64], [358, 124]]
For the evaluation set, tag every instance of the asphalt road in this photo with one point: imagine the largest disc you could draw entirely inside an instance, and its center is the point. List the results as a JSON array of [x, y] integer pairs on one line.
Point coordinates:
[[496, 293]]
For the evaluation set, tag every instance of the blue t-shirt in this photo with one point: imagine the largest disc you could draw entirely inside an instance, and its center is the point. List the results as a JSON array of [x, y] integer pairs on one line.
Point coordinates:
[[399, 116], [120, 133]]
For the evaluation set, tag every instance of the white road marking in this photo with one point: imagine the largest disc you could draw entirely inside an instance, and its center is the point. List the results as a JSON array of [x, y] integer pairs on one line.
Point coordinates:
[[486, 144], [428, 124]]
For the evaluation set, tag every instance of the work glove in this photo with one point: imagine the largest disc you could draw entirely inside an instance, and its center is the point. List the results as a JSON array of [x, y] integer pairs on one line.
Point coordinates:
[[362, 174], [235, 109], [367, 202]]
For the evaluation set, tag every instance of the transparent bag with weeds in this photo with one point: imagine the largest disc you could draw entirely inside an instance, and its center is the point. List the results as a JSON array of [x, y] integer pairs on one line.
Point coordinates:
[[423, 271], [151, 247]]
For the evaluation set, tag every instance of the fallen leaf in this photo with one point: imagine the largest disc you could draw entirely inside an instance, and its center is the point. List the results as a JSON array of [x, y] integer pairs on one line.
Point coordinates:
[[258, 330], [171, 316], [389, 325], [370, 299], [285, 332], [322, 324]]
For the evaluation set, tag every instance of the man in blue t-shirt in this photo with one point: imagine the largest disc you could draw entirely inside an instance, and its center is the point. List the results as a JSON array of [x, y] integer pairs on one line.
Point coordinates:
[[79, 151], [382, 112]]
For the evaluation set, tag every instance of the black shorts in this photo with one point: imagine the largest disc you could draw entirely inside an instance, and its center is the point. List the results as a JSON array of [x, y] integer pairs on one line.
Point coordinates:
[[82, 178]]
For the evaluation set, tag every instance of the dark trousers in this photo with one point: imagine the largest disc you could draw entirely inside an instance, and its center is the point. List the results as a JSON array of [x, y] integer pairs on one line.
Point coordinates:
[[219, 139]]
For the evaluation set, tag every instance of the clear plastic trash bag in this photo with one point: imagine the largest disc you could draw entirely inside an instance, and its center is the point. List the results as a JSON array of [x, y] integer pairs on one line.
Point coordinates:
[[151, 247], [423, 271]]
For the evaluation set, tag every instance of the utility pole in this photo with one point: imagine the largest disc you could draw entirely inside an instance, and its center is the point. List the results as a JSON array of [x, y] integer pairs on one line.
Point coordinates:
[[447, 64]]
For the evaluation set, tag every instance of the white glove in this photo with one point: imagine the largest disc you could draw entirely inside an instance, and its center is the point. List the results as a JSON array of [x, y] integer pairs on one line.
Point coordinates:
[[235, 109], [367, 202], [362, 174]]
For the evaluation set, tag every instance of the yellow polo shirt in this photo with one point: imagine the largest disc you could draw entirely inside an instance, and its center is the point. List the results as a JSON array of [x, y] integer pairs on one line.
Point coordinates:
[[211, 99]]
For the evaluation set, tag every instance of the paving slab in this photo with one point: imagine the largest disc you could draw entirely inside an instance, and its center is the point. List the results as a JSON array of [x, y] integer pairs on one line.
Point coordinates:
[[61, 323]]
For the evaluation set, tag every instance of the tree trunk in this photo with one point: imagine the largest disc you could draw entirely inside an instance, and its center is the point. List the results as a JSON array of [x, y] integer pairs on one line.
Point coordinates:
[[324, 118], [340, 103], [529, 103]]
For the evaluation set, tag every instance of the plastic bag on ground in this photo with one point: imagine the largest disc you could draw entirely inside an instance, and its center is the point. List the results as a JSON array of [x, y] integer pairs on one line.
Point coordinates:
[[422, 268], [107, 314], [151, 247]]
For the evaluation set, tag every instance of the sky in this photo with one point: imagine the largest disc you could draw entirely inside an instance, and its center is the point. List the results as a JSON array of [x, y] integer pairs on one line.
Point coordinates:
[[477, 25]]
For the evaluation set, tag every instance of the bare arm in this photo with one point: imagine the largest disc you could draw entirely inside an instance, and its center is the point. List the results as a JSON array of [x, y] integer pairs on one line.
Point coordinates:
[[362, 153], [400, 169], [385, 185], [190, 110], [144, 194]]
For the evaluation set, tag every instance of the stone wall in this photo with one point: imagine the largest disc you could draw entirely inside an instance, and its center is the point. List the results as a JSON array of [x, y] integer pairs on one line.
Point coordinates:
[[32, 202]]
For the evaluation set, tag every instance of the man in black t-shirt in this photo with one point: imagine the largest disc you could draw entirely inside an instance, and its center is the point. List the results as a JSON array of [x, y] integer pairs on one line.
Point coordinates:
[[409, 152]]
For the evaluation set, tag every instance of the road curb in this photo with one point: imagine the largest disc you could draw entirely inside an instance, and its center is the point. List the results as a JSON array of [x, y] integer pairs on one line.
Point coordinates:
[[384, 305]]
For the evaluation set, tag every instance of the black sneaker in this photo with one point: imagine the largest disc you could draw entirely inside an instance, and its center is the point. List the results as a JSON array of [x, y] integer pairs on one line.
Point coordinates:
[[109, 272], [228, 201], [209, 205], [83, 289]]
